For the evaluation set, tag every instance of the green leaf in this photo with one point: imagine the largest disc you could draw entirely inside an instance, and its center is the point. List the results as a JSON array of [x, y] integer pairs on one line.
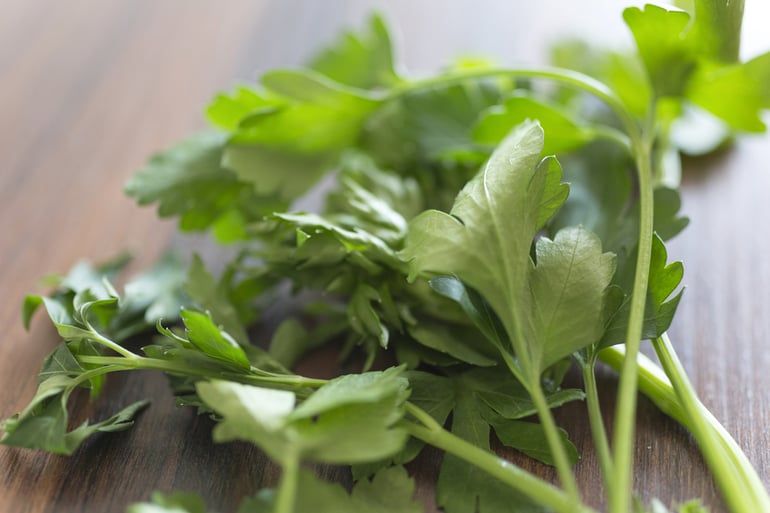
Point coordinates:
[[362, 59], [510, 186], [210, 339], [227, 110], [351, 389], [567, 287], [390, 491], [668, 55], [731, 94], [758, 70], [660, 306], [351, 419], [303, 137], [212, 296], [474, 306], [716, 27], [561, 132], [43, 423], [461, 488], [177, 502], [465, 344], [556, 305], [507, 397], [156, 293], [430, 125], [188, 181], [529, 438]]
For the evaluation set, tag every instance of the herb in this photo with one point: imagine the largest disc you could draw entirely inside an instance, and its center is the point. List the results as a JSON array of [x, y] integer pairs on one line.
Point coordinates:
[[454, 240]]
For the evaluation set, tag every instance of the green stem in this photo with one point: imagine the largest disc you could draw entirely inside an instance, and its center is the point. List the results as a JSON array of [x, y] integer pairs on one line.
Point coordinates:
[[625, 411], [563, 76], [734, 479], [654, 384], [101, 339], [141, 362], [561, 461], [92, 374], [287, 490], [525, 483], [601, 443]]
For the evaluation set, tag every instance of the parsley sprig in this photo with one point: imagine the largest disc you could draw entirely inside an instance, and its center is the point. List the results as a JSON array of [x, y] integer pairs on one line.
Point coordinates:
[[453, 243]]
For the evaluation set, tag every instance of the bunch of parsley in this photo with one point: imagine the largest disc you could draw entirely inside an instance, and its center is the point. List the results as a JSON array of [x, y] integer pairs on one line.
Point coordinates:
[[453, 243]]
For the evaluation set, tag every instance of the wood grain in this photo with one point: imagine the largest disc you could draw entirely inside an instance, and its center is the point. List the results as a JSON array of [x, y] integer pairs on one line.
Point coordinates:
[[88, 90]]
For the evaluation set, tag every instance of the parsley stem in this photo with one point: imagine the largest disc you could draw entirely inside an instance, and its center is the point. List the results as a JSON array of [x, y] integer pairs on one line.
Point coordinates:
[[106, 342], [656, 386], [566, 77], [287, 490], [141, 362], [563, 467], [517, 478], [599, 433], [738, 494], [625, 411]]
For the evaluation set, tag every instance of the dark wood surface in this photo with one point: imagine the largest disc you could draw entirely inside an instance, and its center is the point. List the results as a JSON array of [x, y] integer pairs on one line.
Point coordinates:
[[89, 89]]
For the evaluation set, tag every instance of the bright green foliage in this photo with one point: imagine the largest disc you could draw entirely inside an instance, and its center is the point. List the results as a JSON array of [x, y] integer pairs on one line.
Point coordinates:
[[349, 420], [668, 54], [716, 26], [363, 60], [758, 70], [303, 137], [561, 132], [693, 60], [729, 93]]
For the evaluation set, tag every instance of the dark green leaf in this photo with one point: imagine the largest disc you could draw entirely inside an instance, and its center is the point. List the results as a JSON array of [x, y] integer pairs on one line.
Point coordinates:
[[530, 439]]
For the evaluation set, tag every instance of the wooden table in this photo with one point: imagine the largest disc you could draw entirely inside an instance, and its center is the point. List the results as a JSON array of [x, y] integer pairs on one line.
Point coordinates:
[[89, 89]]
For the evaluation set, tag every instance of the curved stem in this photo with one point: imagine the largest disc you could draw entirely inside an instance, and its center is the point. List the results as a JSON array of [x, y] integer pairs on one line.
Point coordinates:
[[738, 493], [656, 386], [534, 488], [101, 339], [566, 77], [601, 443]]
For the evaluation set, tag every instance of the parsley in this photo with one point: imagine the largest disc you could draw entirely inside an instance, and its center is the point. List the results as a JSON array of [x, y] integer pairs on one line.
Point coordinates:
[[454, 240]]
